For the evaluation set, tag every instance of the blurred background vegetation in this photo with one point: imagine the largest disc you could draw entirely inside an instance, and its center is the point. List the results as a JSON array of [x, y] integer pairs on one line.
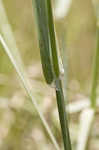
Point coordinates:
[[20, 129]]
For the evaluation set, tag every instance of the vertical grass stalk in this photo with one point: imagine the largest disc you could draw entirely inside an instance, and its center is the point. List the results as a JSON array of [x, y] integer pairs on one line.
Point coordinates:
[[62, 115], [44, 12], [95, 72], [58, 83]]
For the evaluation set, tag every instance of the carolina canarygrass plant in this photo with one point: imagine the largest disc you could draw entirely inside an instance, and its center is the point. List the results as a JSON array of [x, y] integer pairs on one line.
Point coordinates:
[[50, 63], [48, 49]]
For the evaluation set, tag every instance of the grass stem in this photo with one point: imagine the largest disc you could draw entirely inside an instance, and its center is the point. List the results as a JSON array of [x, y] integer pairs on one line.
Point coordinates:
[[58, 83], [62, 115]]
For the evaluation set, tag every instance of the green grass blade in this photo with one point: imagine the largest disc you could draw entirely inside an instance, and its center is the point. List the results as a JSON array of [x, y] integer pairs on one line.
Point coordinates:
[[52, 39], [42, 23], [95, 72], [9, 44]]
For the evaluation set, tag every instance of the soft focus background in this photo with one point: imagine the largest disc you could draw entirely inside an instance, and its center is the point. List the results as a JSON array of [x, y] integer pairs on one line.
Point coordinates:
[[20, 128]]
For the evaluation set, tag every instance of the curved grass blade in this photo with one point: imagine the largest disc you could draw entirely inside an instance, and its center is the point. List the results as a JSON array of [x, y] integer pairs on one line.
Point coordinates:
[[43, 34], [9, 44]]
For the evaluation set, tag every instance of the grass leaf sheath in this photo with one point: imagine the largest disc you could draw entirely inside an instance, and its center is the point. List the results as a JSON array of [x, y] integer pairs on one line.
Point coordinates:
[[52, 40], [42, 23]]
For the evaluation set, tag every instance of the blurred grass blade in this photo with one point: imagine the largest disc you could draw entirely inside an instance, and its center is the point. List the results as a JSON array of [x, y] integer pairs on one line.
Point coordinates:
[[95, 72], [61, 9], [79, 105], [86, 122], [96, 9], [9, 44]]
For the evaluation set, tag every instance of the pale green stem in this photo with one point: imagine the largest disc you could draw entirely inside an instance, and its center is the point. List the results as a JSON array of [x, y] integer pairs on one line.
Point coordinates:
[[95, 72]]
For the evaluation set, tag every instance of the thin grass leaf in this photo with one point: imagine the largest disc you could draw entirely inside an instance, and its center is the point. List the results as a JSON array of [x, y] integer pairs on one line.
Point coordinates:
[[95, 69], [9, 44], [95, 72], [85, 126]]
